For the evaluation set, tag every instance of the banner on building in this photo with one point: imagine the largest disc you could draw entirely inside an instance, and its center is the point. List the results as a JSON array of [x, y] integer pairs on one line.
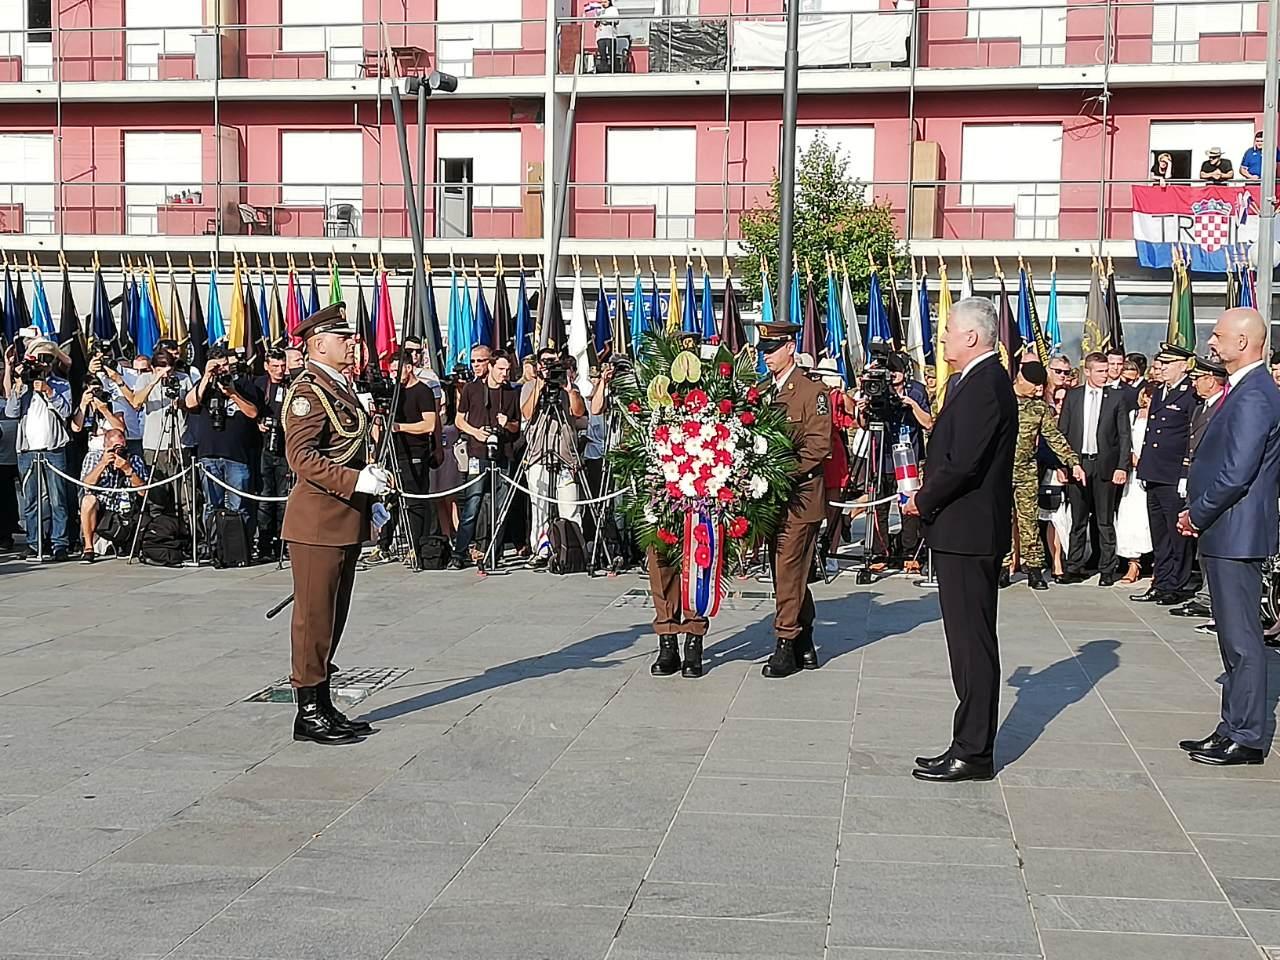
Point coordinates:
[[1211, 226]]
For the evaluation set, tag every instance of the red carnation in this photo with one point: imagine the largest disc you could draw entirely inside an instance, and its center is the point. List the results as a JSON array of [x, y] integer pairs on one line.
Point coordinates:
[[677, 400], [691, 428], [700, 533], [696, 400], [726, 407], [725, 495], [673, 489], [747, 418], [700, 486], [662, 434], [726, 369], [722, 432], [738, 528], [667, 537], [702, 556], [753, 395], [633, 407], [677, 451]]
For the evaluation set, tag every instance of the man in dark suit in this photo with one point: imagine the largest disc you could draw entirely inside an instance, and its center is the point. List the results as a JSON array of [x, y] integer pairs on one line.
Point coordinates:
[[966, 502], [1095, 421], [1232, 496], [1160, 469]]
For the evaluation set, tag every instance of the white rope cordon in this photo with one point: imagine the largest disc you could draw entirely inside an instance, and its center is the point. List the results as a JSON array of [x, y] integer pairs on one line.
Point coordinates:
[[130, 489], [443, 493], [862, 503], [239, 493], [581, 503]]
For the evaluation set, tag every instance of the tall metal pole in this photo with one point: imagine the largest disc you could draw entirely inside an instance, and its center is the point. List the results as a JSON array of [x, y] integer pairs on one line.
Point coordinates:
[[787, 194], [1267, 223], [421, 307], [551, 269]]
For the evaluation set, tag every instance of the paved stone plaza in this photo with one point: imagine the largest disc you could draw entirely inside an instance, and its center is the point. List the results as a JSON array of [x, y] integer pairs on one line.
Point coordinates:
[[534, 793]]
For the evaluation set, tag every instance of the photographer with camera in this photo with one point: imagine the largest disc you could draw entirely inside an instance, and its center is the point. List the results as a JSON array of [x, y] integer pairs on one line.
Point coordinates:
[[489, 417], [225, 408], [95, 415], [887, 397], [40, 399], [158, 394], [414, 433], [553, 412], [109, 515], [274, 478]]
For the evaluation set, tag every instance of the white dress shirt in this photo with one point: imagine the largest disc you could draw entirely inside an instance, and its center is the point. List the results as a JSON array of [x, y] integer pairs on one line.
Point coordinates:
[[1092, 414], [1240, 374], [975, 361]]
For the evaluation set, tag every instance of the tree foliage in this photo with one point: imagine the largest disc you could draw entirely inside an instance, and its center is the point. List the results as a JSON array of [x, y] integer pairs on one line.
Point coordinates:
[[833, 214]]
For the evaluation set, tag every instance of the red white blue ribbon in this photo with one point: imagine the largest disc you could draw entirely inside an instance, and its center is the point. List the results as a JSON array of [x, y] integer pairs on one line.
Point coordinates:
[[702, 584]]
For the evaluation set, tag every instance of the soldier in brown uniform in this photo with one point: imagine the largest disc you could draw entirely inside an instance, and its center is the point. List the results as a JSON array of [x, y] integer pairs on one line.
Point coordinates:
[[327, 516], [792, 550]]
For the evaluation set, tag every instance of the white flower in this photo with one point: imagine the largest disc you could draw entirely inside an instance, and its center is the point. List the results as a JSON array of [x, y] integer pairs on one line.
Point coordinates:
[[677, 434], [757, 487], [670, 472], [721, 472], [708, 431], [686, 486], [761, 445], [650, 516]]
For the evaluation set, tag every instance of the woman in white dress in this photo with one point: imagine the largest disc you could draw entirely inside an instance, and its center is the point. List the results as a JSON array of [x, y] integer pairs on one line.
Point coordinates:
[[1058, 514], [1133, 531]]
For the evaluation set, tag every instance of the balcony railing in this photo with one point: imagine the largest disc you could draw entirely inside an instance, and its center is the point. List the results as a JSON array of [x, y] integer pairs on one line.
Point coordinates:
[[983, 34]]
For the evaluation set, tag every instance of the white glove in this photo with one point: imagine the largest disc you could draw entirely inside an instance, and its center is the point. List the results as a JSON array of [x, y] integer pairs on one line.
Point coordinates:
[[373, 480]]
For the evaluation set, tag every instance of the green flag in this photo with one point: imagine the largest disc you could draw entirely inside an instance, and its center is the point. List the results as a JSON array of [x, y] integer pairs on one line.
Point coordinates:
[[335, 285]]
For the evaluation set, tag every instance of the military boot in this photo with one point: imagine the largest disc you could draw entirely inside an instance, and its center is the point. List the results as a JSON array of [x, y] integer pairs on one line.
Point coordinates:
[[692, 657], [336, 717], [668, 661], [1035, 579], [313, 724], [806, 652], [782, 663]]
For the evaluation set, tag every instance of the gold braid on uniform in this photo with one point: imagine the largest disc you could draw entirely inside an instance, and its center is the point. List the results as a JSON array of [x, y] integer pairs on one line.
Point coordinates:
[[354, 434]]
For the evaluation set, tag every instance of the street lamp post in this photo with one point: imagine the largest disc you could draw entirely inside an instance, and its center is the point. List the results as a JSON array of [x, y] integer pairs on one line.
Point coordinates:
[[1267, 208], [787, 175]]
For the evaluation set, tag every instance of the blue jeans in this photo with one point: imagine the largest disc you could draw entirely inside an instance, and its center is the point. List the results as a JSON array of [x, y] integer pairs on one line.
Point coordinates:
[[471, 511], [54, 496], [233, 474]]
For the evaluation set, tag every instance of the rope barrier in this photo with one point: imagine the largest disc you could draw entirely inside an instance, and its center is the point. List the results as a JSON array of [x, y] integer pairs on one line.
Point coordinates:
[[131, 489], [443, 493], [581, 503], [862, 503], [239, 493]]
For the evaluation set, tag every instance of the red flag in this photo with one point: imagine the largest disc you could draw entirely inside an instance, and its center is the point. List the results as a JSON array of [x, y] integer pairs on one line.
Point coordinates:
[[385, 335], [292, 316]]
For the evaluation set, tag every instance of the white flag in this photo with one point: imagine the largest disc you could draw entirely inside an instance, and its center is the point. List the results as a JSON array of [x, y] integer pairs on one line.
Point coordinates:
[[856, 355], [915, 327], [579, 338]]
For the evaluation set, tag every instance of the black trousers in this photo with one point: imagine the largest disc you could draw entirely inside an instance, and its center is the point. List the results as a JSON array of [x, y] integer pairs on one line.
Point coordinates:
[[415, 475], [275, 480], [8, 500], [1097, 500], [967, 592], [1236, 586], [1172, 552]]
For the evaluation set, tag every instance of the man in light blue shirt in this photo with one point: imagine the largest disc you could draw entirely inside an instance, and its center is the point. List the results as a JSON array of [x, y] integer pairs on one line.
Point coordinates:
[[1251, 162]]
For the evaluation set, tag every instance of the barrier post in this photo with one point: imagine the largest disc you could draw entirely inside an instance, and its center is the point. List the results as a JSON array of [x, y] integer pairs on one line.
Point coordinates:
[[38, 466]]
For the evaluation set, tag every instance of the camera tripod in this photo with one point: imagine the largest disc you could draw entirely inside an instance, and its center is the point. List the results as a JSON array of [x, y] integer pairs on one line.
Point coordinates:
[[602, 512], [875, 474], [170, 433]]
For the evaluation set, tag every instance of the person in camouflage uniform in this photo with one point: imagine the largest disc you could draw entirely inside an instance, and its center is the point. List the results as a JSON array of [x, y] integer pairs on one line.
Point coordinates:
[[1036, 420]]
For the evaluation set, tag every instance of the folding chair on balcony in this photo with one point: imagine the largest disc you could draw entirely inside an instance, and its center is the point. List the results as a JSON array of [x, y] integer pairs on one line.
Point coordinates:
[[340, 220], [252, 217]]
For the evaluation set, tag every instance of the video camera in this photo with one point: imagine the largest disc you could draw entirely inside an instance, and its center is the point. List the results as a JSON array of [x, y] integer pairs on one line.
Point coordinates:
[[555, 373], [877, 387], [35, 368]]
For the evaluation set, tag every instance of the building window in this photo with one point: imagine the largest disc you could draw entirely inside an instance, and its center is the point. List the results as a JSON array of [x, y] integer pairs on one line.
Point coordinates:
[[159, 168], [156, 28], [1014, 165], [25, 33], [856, 144], [460, 35], [325, 169], [26, 182], [1176, 27], [1042, 31], [331, 27], [654, 167], [1188, 143]]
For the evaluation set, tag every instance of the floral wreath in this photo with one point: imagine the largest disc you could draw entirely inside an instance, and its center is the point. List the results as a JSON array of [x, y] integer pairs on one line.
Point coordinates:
[[710, 458]]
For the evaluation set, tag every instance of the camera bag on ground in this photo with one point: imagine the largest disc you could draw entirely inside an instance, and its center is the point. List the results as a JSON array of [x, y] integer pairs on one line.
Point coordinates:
[[228, 541], [568, 552], [434, 552], [117, 530], [164, 541]]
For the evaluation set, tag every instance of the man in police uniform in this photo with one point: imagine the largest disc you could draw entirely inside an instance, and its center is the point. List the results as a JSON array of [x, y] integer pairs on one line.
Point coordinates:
[[1160, 469], [327, 515], [809, 420]]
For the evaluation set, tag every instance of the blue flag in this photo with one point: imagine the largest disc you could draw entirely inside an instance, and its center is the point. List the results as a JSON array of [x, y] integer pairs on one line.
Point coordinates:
[[315, 296], [213, 321], [689, 322], [484, 317], [10, 308], [1052, 332], [524, 322], [797, 317], [1246, 286], [836, 337], [877, 316], [654, 320], [467, 320], [148, 332], [709, 331], [264, 313], [1024, 309], [602, 328], [104, 324], [135, 316], [926, 325], [41, 316], [637, 316], [766, 316]]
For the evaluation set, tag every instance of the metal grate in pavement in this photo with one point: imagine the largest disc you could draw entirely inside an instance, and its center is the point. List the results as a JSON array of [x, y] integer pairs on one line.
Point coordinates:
[[350, 685]]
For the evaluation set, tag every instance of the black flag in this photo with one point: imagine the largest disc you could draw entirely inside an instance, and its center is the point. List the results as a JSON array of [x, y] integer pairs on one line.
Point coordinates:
[[196, 328]]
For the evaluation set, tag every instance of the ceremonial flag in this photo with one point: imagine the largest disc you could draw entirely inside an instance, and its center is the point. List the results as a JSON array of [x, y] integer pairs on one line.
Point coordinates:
[[484, 316], [1248, 292], [11, 306], [335, 283], [364, 329], [796, 316], [42, 317], [303, 312], [622, 341], [177, 317], [429, 327], [157, 302], [275, 315], [654, 320], [1116, 334], [458, 333], [579, 339], [103, 329], [941, 367], [966, 279], [213, 321], [916, 341], [524, 326], [1233, 282], [236, 330], [264, 311], [877, 319], [1007, 328], [602, 331], [148, 326], [135, 313], [196, 326], [385, 331], [732, 334], [71, 334], [690, 322], [674, 311], [1037, 329], [896, 330], [1024, 308], [502, 333], [855, 359], [1182, 327], [292, 306], [21, 313], [315, 293], [1052, 332], [709, 332], [1094, 337], [467, 317], [811, 336], [837, 339], [552, 314], [766, 314], [638, 325], [252, 330]]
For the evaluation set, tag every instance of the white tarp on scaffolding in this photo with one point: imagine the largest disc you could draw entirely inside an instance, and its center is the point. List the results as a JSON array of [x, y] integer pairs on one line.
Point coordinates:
[[842, 40]]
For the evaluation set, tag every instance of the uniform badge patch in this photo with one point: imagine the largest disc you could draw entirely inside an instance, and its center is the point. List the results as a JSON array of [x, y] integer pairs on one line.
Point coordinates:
[[823, 405], [300, 406]]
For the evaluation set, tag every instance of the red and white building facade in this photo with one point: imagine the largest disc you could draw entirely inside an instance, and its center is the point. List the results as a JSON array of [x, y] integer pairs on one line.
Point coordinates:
[[993, 128]]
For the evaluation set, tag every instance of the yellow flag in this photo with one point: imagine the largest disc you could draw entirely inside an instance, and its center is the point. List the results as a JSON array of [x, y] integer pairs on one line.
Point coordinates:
[[235, 330], [674, 313], [943, 370], [154, 293]]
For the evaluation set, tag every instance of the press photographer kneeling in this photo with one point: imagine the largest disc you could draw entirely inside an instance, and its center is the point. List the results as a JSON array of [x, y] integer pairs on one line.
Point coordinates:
[[107, 514]]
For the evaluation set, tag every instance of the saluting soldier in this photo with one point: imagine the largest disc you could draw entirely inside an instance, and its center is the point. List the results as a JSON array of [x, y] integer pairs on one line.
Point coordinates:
[[809, 421], [1160, 470], [326, 431], [1036, 420]]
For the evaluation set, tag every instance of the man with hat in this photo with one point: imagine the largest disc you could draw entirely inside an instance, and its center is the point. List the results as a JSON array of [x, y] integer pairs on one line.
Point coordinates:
[[792, 550], [1217, 169], [326, 518], [1209, 380], [1160, 468]]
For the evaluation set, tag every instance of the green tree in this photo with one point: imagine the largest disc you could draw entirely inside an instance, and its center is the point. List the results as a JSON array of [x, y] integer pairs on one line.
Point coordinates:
[[833, 215]]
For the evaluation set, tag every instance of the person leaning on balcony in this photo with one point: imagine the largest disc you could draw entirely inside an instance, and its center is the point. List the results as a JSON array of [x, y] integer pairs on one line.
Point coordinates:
[[1217, 169], [1162, 169], [607, 37]]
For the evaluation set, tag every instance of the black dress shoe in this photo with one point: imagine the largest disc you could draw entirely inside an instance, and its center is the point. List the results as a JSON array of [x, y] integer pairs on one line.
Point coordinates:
[[782, 663], [1173, 598], [1035, 579], [336, 717], [1228, 753], [1004, 578], [692, 657], [806, 653], [1192, 746], [1192, 608], [928, 763], [312, 724], [668, 661], [1107, 580], [955, 771], [1072, 578], [1150, 596]]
